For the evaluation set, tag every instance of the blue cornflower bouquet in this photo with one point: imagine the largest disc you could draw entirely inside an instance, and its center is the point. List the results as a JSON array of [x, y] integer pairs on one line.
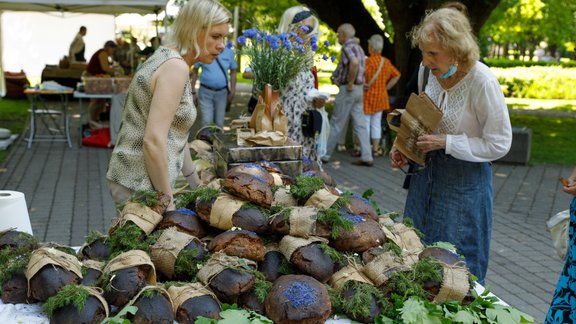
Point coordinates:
[[277, 59]]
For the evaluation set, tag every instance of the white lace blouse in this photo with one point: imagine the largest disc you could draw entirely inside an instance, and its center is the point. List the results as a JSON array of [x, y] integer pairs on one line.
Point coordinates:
[[475, 117]]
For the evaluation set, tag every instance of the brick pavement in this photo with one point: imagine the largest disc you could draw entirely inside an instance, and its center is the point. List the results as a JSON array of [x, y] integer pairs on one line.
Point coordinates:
[[66, 194]]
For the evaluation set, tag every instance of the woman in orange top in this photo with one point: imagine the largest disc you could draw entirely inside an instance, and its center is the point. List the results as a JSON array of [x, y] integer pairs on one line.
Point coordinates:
[[381, 76]]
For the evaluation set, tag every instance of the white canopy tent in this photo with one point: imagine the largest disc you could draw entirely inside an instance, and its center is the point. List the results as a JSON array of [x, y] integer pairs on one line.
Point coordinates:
[[109, 7]]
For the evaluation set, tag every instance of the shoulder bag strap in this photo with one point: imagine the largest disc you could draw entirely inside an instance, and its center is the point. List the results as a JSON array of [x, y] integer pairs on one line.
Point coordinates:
[[425, 79], [377, 72], [223, 71]]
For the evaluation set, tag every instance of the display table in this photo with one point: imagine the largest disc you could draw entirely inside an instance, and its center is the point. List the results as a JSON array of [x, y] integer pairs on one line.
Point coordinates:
[[67, 77], [56, 121], [116, 107]]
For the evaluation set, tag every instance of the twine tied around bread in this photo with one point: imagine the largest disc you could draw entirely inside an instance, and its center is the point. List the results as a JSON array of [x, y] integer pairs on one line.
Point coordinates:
[[289, 244], [144, 217], [351, 272], [164, 252], [154, 287], [47, 255], [132, 258], [455, 284], [220, 262], [97, 292], [303, 221], [181, 294], [383, 266], [282, 196], [322, 198]]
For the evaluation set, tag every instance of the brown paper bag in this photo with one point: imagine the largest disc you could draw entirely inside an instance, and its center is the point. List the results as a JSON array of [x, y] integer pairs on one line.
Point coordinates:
[[268, 114], [420, 117]]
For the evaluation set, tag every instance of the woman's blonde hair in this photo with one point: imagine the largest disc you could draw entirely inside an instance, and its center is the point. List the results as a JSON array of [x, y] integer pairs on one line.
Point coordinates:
[[286, 25], [451, 28], [193, 17]]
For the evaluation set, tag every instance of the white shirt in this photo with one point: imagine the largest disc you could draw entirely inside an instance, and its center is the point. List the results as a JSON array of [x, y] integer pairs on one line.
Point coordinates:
[[76, 46], [475, 118]]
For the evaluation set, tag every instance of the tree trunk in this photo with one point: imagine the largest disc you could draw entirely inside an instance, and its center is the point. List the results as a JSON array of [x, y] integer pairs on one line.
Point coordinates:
[[404, 14]]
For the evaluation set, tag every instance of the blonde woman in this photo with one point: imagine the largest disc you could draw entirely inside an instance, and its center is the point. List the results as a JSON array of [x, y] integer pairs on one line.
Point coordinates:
[[151, 150], [295, 99]]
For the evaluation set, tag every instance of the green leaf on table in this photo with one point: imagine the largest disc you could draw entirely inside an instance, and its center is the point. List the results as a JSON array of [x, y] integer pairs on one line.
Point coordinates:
[[415, 311], [504, 314], [236, 316], [464, 316]]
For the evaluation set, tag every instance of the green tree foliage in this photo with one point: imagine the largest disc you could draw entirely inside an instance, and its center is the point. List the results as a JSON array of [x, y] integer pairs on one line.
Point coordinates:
[[524, 24]]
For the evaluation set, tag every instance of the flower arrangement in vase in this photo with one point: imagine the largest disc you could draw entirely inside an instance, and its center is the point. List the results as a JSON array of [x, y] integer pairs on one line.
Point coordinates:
[[277, 59]]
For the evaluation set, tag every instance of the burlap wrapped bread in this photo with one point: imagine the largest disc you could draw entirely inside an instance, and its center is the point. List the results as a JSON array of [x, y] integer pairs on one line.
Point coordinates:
[[192, 300], [298, 221], [228, 276], [166, 251], [95, 308], [49, 270], [298, 299], [271, 266], [128, 273], [240, 243], [92, 271], [308, 256], [97, 249], [406, 239], [154, 305]]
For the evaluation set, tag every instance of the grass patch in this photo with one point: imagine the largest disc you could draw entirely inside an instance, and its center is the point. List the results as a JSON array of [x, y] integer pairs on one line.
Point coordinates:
[[552, 138], [13, 116]]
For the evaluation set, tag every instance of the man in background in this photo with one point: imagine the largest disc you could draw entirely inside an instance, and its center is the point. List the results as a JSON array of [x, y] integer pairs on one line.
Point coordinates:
[[349, 103], [217, 87], [77, 47]]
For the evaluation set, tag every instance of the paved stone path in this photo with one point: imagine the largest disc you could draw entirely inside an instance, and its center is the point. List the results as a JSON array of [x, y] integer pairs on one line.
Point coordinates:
[[67, 197]]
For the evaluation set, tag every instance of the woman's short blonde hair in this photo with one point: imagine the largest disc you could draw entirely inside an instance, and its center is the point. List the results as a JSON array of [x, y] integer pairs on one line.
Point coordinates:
[[193, 17], [286, 25], [451, 28]]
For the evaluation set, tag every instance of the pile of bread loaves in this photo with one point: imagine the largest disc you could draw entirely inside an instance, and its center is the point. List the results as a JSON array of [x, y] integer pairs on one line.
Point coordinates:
[[296, 250]]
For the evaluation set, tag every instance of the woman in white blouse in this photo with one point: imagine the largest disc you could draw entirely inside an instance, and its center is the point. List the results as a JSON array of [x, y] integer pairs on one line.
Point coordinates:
[[450, 198]]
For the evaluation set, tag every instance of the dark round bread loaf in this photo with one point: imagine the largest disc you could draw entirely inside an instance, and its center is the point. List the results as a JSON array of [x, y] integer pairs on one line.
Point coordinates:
[[91, 277], [205, 306], [15, 289], [366, 233], [251, 219], [313, 261], [49, 280], [229, 284], [252, 169], [185, 220], [93, 312], [238, 243], [97, 250], [251, 188], [125, 284], [270, 266], [249, 300], [155, 309], [298, 299], [349, 292], [203, 209], [17, 239], [362, 206]]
